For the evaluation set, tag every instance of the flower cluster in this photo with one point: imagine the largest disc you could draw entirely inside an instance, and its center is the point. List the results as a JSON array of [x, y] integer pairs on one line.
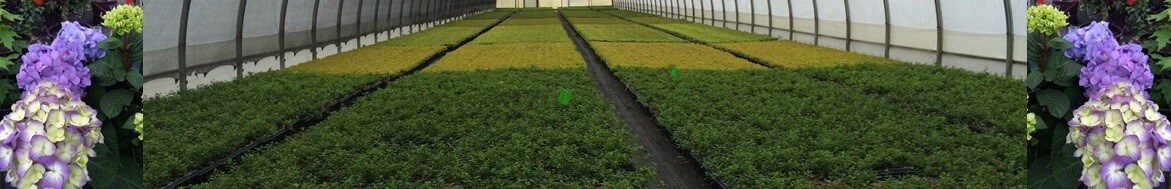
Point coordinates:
[[138, 124], [48, 138], [1121, 139], [1107, 61], [1031, 123], [124, 19], [1045, 19], [61, 62]]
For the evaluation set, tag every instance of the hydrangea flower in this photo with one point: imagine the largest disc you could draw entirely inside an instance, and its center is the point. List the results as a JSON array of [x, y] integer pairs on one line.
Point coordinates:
[[48, 138], [1107, 62], [124, 19], [138, 124], [76, 42], [1031, 122], [1121, 139], [44, 63], [1045, 19]]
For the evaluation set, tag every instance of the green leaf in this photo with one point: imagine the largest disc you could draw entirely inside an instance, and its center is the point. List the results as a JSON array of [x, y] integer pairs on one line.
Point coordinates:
[[114, 101], [111, 43], [1068, 73], [1055, 101], [1162, 36], [1058, 42], [1033, 79], [7, 64], [564, 97], [112, 170], [674, 72], [102, 74], [1041, 125], [135, 79], [7, 37]]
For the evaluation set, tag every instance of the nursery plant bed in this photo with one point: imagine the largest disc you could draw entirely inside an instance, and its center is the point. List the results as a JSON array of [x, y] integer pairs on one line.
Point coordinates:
[[627, 14], [474, 57], [788, 54], [530, 22], [434, 36], [535, 14], [374, 59], [479, 23], [596, 21], [584, 13], [658, 20], [625, 33], [663, 55], [523, 34], [286, 129], [778, 129], [944, 92], [711, 34], [499, 13], [433, 132], [207, 122]]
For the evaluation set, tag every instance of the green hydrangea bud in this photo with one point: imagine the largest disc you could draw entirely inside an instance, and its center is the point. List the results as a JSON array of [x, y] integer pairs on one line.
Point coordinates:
[[124, 19], [1031, 121], [138, 124], [1045, 19]]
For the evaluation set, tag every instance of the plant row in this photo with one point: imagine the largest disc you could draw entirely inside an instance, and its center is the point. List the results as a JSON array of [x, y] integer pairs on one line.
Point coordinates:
[[965, 98], [486, 129], [778, 129], [788, 54], [210, 121]]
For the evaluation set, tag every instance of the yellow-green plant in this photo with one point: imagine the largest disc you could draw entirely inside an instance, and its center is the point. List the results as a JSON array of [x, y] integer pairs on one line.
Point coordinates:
[[1045, 19], [124, 19]]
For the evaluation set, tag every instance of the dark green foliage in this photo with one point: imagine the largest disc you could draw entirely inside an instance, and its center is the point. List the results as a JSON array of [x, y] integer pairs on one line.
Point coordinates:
[[779, 129], [534, 14], [498, 14], [194, 127], [963, 97], [486, 129]]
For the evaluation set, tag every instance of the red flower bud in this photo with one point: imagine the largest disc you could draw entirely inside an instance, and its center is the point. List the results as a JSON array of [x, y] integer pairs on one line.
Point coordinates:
[[1131, 2], [39, 2]]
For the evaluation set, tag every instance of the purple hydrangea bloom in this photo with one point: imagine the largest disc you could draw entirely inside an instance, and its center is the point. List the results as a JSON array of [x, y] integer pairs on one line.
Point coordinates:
[[1107, 61], [45, 63], [1090, 42], [78, 42], [48, 139]]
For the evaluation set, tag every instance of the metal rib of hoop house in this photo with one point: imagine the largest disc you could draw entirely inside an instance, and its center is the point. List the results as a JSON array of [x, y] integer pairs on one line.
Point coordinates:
[[434, 13]]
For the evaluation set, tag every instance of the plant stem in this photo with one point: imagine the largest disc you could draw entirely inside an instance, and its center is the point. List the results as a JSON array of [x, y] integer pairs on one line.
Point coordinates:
[[125, 51]]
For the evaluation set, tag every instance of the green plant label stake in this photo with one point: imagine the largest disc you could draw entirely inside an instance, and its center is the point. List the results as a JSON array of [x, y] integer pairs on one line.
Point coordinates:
[[564, 97], [674, 72]]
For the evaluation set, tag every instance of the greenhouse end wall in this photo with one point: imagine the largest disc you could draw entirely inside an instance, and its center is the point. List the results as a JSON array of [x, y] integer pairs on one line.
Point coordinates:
[[981, 36]]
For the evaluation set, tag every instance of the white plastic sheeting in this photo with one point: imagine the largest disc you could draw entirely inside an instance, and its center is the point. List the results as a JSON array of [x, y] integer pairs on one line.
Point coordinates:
[[210, 50], [976, 35], [551, 3]]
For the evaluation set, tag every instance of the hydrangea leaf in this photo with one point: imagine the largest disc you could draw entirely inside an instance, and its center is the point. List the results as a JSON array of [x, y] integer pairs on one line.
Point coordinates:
[[135, 79], [103, 75], [1033, 79], [114, 101], [1055, 101]]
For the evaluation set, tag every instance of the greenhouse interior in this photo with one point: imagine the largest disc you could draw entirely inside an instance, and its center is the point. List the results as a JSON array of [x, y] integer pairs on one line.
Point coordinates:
[[618, 94]]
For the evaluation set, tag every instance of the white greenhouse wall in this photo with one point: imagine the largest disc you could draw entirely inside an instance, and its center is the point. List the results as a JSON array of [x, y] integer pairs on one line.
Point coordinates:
[[975, 33]]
